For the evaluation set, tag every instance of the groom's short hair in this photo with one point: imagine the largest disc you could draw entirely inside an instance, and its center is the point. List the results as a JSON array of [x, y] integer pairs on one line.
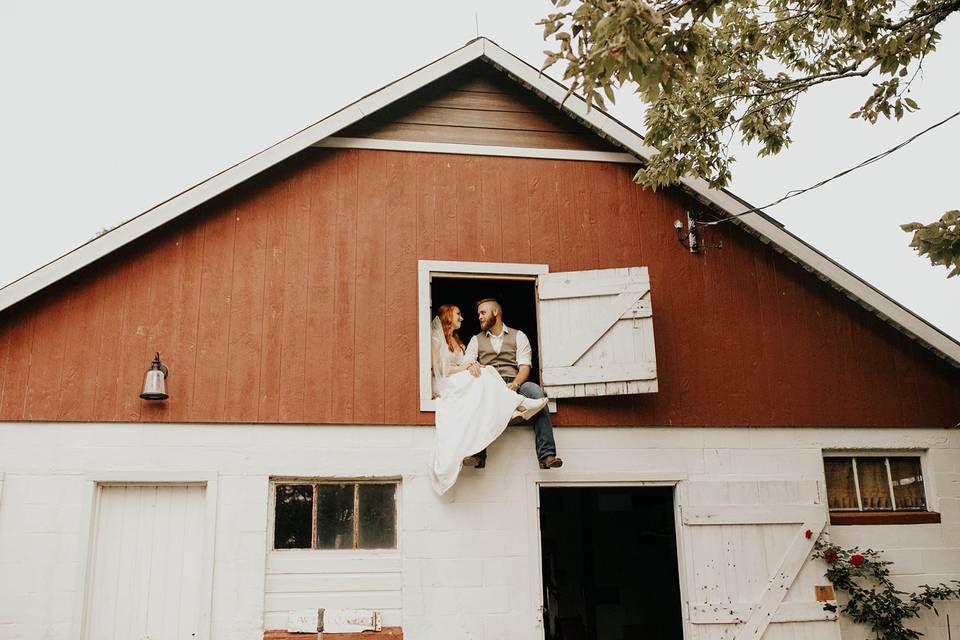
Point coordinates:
[[496, 305]]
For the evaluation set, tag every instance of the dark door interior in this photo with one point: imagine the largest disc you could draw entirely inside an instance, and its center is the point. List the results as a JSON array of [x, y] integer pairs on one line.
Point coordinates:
[[609, 564], [517, 297]]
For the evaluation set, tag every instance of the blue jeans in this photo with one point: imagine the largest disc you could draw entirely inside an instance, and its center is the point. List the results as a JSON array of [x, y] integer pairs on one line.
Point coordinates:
[[542, 427]]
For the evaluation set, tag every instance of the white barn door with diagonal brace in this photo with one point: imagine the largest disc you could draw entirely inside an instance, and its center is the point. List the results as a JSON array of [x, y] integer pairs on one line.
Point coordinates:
[[746, 561], [596, 333]]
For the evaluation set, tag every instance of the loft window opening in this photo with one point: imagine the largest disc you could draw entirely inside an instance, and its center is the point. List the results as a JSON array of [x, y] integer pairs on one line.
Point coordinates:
[[590, 332], [464, 284], [516, 294]]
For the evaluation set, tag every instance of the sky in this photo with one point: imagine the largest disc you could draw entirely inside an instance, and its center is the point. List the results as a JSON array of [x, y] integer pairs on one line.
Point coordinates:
[[109, 108]]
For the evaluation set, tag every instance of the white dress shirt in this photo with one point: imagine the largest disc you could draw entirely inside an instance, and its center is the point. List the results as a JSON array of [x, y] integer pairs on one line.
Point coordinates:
[[524, 351]]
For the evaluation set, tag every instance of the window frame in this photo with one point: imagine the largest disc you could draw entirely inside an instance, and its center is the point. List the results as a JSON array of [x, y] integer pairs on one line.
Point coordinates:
[[314, 481], [425, 271], [859, 516]]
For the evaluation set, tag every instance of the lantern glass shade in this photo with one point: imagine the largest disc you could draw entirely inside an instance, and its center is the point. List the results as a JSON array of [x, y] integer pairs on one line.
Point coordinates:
[[155, 384]]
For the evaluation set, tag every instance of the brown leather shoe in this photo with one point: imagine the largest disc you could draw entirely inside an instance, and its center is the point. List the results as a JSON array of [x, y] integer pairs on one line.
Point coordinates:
[[550, 462], [475, 461]]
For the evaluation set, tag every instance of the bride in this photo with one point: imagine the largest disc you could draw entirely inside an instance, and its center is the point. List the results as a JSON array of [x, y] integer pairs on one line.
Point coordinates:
[[472, 411]]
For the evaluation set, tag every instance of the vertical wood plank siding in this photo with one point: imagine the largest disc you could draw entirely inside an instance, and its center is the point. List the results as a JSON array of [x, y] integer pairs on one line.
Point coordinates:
[[294, 299]]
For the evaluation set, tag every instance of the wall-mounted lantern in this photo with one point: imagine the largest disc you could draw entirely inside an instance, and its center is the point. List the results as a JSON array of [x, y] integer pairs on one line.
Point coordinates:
[[154, 386]]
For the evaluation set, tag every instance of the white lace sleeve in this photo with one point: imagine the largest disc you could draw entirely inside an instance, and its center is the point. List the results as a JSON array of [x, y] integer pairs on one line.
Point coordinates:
[[441, 359]]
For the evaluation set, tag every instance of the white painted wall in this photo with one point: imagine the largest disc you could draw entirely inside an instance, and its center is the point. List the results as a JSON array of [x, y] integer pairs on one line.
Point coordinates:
[[298, 579], [467, 569]]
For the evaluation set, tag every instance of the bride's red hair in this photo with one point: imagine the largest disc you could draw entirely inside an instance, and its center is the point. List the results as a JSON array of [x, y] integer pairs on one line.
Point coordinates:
[[445, 312]]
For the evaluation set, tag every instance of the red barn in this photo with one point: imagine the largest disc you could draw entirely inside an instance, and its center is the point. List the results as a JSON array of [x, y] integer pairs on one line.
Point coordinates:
[[710, 404]]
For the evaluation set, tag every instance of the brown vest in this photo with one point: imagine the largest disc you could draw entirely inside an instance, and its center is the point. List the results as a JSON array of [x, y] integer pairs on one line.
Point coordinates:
[[505, 361]]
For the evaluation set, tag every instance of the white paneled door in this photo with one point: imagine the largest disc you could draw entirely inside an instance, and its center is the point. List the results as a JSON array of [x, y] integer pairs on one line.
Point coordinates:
[[146, 563]]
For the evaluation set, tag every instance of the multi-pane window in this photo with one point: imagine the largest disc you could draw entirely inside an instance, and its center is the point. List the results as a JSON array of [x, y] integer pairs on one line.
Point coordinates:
[[335, 515], [874, 483]]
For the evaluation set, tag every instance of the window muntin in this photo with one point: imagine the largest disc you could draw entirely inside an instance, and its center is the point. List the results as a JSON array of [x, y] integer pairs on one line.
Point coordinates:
[[874, 483], [332, 515]]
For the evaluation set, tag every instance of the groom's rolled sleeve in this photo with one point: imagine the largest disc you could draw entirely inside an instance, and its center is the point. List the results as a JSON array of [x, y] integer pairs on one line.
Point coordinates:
[[524, 352], [473, 349]]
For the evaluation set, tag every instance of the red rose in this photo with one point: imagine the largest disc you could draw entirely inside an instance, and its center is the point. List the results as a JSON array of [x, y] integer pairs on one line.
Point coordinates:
[[857, 559], [808, 534], [830, 555]]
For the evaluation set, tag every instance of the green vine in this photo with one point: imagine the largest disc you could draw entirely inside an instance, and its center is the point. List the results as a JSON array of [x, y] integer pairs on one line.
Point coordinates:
[[872, 598]]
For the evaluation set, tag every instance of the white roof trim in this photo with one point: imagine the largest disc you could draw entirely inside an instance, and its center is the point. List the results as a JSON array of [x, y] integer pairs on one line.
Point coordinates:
[[887, 309], [335, 142]]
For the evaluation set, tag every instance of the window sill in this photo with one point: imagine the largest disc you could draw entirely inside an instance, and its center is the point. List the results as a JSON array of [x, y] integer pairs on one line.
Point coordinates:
[[396, 633], [884, 517], [430, 406], [350, 553]]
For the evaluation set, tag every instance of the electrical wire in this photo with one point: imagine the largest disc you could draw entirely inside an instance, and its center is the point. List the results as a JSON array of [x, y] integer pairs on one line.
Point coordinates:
[[868, 161]]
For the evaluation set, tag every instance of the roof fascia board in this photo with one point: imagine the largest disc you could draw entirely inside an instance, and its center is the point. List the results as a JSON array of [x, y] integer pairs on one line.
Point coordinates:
[[421, 78], [231, 177], [887, 308]]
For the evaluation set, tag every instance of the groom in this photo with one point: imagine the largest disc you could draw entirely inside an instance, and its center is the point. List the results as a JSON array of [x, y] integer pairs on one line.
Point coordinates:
[[509, 351]]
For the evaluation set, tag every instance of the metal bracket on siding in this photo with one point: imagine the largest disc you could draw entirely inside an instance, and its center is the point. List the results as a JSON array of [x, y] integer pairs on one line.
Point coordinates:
[[688, 239]]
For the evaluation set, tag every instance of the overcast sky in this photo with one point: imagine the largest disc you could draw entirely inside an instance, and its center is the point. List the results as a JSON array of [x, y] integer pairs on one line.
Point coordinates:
[[112, 107]]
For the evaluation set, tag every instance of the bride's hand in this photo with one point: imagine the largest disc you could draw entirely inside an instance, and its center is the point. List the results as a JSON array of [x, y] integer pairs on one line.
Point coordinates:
[[474, 370]]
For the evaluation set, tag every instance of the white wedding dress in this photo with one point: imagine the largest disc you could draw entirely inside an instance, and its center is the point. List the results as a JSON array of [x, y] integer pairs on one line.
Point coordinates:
[[470, 412]]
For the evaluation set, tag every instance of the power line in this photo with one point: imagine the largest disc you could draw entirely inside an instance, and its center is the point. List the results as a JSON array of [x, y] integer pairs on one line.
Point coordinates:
[[868, 161]]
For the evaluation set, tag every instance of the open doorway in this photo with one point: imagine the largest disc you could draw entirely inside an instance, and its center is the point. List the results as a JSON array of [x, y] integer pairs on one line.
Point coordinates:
[[516, 294], [609, 558]]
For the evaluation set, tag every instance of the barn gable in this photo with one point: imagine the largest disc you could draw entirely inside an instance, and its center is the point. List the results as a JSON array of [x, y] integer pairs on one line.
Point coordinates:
[[284, 256], [483, 50], [477, 105]]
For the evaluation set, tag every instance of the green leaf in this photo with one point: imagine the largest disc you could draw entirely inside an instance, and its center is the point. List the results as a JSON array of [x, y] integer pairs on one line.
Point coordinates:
[[703, 68]]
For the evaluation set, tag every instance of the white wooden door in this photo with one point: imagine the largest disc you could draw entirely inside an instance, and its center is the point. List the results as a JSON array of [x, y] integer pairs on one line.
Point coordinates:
[[747, 570], [147, 563], [596, 333]]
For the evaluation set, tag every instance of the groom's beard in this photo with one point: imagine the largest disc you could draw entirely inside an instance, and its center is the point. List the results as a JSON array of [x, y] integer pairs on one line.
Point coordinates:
[[486, 324]]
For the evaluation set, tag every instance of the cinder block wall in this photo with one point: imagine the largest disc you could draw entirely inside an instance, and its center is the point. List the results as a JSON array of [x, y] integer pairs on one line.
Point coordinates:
[[465, 567]]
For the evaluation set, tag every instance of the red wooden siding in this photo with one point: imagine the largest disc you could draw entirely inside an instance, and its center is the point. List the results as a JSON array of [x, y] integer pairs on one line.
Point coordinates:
[[294, 299]]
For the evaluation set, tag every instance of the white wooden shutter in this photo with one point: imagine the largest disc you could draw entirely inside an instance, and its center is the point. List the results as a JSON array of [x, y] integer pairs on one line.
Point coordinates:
[[596, 333], [746, 561]]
